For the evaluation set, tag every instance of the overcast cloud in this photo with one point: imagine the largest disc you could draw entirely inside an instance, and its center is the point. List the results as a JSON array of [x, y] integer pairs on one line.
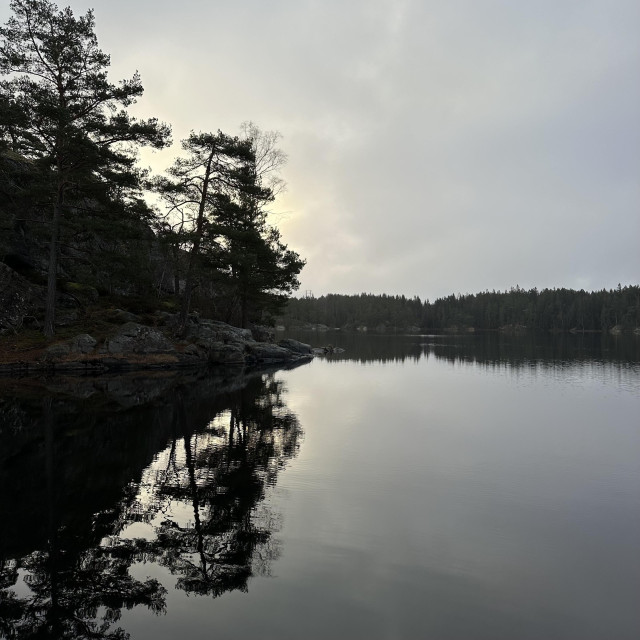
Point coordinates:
[[434, 147]]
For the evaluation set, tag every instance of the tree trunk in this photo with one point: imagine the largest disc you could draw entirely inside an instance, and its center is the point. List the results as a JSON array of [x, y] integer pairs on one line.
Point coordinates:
[[50, 309], [244, 310], [195, 250]]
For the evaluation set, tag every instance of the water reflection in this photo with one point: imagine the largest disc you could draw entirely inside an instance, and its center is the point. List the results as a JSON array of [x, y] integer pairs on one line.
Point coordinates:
[[108, 472]]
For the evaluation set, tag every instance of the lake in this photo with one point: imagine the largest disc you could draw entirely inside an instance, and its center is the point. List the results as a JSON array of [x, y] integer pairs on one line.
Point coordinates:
[[437, 487]]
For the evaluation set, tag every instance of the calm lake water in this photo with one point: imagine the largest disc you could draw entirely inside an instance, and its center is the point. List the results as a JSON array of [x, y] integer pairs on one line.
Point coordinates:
[[432, 487]]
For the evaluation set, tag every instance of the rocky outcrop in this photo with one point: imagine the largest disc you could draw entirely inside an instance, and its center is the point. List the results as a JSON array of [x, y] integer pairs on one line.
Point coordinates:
[[137, 346], [216, 352], [19, 300], [298, 347], [132, 337], [83, 343], [119, 316], [265, 352], [328, 350]]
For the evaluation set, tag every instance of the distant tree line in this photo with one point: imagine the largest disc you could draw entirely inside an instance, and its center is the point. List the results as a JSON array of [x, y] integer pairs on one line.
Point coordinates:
[[73, 205], [545, 310]]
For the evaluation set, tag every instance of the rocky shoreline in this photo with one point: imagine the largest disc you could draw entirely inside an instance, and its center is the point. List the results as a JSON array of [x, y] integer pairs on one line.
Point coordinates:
[[137, 346]]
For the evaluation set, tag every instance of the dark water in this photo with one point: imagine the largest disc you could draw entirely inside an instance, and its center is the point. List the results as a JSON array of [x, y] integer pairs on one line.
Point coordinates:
[[412, 487]]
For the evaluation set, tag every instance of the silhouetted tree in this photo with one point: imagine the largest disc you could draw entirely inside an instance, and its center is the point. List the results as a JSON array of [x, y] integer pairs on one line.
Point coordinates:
[[196, 183], [73, 122]]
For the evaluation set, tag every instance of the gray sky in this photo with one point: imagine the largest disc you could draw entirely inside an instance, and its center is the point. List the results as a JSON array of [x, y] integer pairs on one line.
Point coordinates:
[[434, 147]]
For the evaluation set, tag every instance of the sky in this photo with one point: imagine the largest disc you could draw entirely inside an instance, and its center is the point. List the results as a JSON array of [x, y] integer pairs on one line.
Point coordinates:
[[434, 147]]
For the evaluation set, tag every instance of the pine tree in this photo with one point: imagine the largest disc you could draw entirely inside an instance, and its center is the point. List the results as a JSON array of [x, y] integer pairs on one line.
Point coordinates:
[[74, 124], [261, 269], [196, 185]]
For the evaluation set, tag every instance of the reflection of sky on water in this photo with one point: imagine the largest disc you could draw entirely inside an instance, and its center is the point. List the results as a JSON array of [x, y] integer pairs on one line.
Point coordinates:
[[501, 500], [487, 495]]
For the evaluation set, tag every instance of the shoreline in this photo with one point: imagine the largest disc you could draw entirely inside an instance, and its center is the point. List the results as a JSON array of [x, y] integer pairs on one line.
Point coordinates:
[[134, 346]]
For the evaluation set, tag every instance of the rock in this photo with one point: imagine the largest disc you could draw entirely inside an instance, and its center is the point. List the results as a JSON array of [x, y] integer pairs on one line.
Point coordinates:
[[201, 332], [217, 332], [262, 334], [164, 318], [65, 318], [19, 299], [267, 352], [120, 316], [321, 351], [225, 354], [83, 343], [192, 350], [294, 345], [137, 338], [57, 351], [217, 352], [227, 333], [81, 293]]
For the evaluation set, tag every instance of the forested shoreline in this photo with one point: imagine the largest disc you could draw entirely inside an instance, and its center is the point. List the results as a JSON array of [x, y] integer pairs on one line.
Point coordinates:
[[84, 227], [514, 310]]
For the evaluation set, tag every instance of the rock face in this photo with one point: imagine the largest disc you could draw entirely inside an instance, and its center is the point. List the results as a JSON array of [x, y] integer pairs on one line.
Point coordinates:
[[19, 299], [83, 343], [120, 316], [294, 345], [328, 350], [216, 352], [137, 346], [267, 352], [132, 337]]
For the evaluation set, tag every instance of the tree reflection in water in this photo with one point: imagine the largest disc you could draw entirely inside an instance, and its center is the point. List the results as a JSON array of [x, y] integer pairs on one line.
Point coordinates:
[[197, 509]]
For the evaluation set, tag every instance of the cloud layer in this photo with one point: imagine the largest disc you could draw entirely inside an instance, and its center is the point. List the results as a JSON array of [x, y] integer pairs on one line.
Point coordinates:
[[433, 147]]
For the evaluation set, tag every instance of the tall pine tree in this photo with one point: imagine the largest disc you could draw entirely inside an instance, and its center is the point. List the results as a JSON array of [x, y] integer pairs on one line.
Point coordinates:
[[74, 126]]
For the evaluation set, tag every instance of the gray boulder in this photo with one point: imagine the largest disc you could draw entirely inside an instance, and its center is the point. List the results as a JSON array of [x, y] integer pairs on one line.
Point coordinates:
[[293, 345], [192, 350], [19, 299], [321, 351], [83, 343], [267, 352], [227, 333], [217, 332], [65, 317], [201, 332], [136, 338], [220, 353], [121, 316]]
